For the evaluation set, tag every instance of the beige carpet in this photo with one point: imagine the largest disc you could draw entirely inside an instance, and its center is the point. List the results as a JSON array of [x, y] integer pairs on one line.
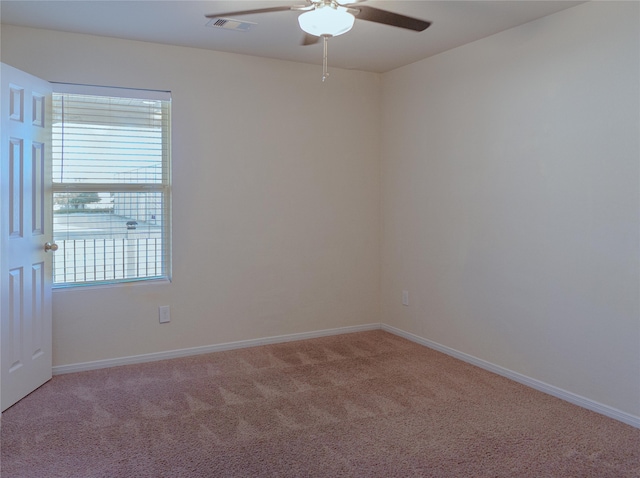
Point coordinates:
[[358, 405]]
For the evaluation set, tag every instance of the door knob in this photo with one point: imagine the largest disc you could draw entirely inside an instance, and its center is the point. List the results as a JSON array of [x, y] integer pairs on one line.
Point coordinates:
[[50, 247]]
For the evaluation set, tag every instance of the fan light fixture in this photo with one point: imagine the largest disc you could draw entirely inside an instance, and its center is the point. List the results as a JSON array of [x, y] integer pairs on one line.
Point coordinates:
[[326, 20]]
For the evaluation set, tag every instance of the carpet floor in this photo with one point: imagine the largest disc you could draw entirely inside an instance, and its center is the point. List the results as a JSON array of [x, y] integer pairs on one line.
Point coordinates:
[[367, 404]]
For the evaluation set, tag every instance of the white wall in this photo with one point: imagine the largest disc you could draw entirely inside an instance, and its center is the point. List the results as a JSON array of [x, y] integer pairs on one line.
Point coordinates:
[[510, 201], [275, 197]]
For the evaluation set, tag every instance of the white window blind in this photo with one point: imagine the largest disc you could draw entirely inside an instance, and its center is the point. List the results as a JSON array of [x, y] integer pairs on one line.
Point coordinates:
[[111, 185]]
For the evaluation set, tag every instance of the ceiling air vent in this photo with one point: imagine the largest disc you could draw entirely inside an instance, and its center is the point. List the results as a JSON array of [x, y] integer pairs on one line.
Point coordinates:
[[230, 24]]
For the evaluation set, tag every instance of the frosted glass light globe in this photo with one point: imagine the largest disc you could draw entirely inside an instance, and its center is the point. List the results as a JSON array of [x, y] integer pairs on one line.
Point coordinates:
[[326, 20]]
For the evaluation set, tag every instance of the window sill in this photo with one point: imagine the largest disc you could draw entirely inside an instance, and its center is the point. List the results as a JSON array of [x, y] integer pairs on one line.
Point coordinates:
[[133, 283]]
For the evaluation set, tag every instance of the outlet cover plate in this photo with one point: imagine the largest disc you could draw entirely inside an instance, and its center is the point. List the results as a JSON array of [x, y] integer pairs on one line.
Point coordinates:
[[165, 314]]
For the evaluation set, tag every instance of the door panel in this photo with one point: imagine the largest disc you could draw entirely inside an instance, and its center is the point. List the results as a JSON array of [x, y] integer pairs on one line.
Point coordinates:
[[25, 225]]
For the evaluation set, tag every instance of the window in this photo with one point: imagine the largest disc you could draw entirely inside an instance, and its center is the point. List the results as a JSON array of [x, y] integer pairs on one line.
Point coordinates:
[[111, 185]]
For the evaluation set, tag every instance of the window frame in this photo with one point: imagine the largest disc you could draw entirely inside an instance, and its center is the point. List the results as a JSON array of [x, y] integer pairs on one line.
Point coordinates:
[[164, 188]]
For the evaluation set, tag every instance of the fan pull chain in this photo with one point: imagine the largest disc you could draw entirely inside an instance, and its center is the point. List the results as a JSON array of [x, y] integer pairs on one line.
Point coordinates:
[[325, 73]]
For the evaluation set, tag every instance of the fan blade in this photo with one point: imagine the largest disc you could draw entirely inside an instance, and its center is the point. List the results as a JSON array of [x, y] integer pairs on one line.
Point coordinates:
[[310, 39], [389, 18], [248, 12]]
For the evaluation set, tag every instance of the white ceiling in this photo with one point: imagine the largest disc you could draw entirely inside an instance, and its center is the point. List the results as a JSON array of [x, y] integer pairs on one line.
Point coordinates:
[[368, 46]]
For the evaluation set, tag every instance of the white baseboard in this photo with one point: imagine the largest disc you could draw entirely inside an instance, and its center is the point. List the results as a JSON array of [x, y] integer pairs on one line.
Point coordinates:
[[170, 354], [570, 397], [517, 377]]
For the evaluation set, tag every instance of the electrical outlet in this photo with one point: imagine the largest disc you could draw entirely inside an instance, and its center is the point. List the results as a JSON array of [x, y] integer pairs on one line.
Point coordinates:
[[164, 311], [405, 297]]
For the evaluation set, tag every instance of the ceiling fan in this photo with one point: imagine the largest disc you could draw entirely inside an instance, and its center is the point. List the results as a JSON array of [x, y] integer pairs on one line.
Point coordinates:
[[323, 19]]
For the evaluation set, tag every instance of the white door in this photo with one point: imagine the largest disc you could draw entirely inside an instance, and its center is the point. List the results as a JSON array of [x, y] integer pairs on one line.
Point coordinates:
[[25, 227]]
